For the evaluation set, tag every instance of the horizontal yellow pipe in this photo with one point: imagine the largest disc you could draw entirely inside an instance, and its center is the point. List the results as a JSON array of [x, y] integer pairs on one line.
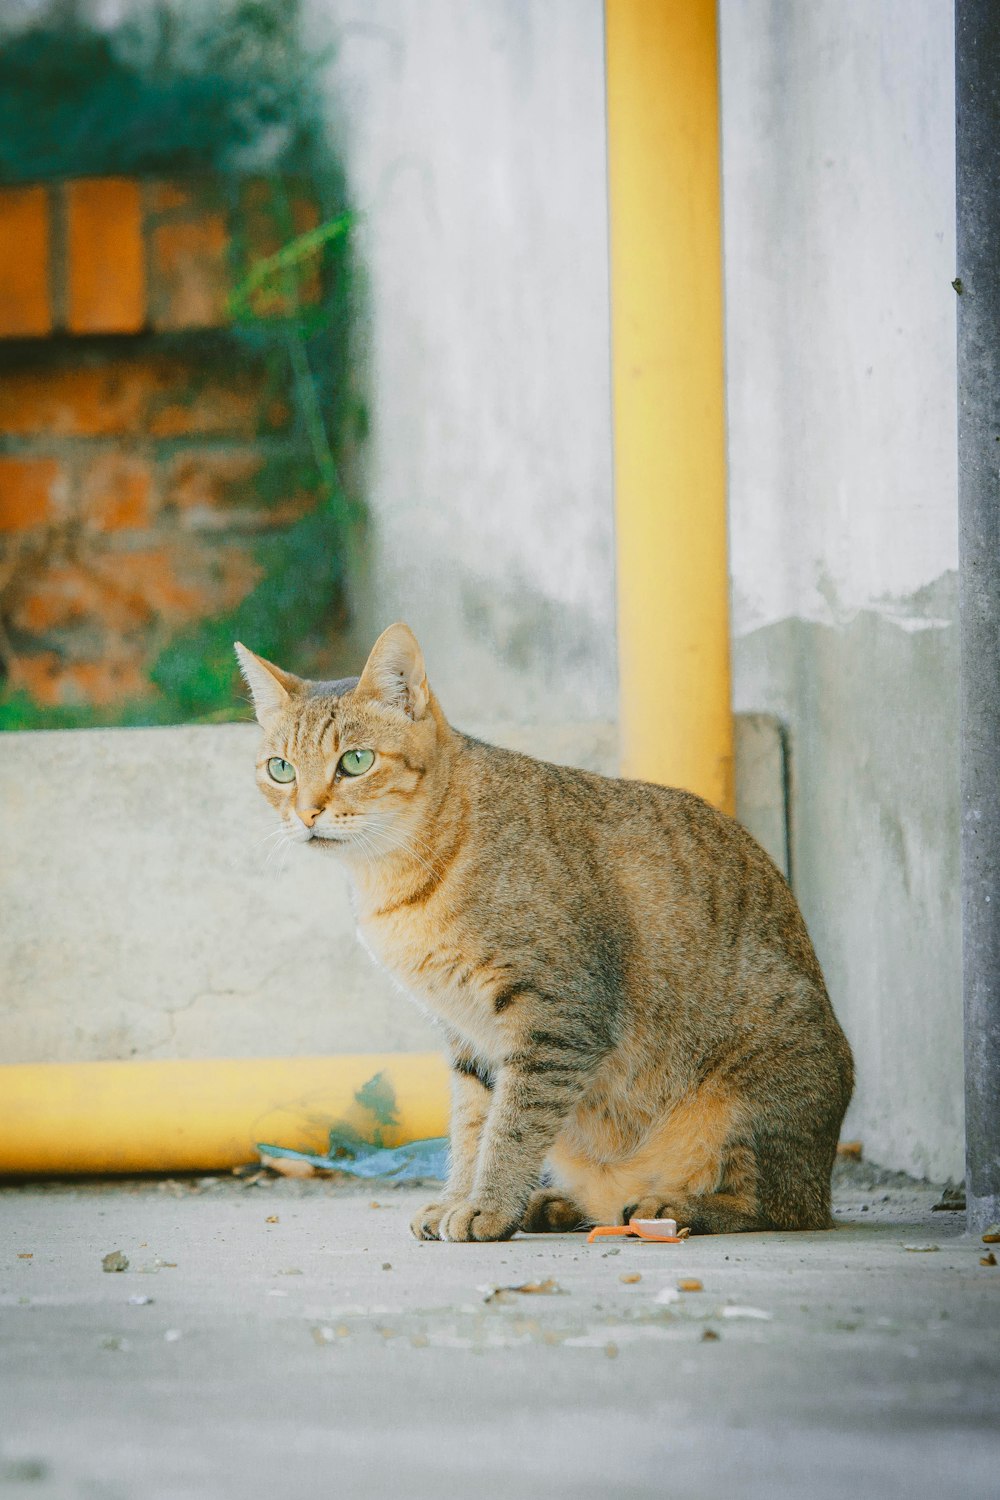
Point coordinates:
[[180, 1116]]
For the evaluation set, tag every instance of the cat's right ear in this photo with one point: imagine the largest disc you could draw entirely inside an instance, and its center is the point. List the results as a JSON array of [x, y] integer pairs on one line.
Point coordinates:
[[269, 686]]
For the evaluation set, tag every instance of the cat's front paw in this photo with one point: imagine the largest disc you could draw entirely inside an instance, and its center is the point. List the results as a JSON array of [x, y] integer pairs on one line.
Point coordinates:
[[467, 1221], [425, 1224]]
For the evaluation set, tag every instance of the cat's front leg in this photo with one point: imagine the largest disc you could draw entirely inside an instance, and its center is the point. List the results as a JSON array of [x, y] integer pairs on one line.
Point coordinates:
[[471, 1091], [534, 1093]]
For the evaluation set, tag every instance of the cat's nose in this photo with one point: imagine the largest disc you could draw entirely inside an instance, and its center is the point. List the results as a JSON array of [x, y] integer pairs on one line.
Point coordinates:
[[309, 814]]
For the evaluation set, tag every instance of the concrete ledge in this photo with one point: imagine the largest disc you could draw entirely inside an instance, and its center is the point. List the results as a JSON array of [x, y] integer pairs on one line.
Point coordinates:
[[146, 914]]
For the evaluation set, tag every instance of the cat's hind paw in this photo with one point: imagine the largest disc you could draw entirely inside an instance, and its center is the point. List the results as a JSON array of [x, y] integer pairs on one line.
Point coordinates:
[[551, 1213], [648, 1208]]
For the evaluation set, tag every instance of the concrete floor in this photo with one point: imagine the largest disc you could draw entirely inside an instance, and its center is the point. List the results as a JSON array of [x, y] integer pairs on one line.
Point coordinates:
[[299, 1343]]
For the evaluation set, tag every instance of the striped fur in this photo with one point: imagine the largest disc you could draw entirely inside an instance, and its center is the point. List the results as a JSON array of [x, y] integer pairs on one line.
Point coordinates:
[[630, 997]]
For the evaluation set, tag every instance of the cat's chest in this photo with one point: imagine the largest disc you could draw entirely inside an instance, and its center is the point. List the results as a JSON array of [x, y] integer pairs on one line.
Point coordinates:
[[443, 972]]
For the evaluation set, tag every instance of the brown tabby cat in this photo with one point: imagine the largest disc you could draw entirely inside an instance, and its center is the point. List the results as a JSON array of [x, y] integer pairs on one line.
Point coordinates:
[[630, 996]]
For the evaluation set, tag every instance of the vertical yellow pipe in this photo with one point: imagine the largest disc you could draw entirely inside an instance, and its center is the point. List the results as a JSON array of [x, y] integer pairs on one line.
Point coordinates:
[[667, 372]]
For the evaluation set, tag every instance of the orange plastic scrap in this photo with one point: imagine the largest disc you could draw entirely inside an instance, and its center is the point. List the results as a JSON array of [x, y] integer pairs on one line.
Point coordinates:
[[663, 1230]]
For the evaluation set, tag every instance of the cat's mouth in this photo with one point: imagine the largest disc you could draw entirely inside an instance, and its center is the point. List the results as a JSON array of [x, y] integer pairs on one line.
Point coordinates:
[[317, 840]]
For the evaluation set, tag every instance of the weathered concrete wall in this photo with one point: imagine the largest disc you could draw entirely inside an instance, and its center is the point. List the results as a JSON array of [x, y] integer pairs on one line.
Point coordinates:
[[475, 147], [146, 912], [475, 143], [839, 207]]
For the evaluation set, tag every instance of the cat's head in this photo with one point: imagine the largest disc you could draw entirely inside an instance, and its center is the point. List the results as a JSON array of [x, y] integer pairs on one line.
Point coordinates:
[[343, 763]]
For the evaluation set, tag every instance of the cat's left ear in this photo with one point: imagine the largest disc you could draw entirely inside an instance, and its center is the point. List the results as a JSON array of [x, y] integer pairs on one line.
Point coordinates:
[[395, 674], [270, 687]]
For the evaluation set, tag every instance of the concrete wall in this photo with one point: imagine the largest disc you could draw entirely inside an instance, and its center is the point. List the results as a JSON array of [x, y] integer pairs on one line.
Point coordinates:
[[475, 147], [838, 132], [147, 912]]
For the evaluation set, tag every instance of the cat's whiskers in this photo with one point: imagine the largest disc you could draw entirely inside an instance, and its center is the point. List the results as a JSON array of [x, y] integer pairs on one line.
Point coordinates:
[[265, 837], [405, 843], [286, 846], [281, 845], [367, 846], [386, 844]]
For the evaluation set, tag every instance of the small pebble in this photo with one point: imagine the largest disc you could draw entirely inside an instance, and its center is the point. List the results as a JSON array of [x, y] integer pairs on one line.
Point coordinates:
[[387, 1265], [115, 1260], [272, 1219], [709, 1336]]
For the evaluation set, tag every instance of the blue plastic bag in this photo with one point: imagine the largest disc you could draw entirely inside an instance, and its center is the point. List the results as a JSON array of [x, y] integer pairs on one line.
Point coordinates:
[[409, 1163]]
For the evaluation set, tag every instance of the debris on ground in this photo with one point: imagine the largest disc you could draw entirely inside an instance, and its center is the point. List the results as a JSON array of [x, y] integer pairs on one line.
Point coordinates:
[[664, 1231], [256, 1178], [988, 1260], [272, 1219], [749, 1313], [690, 1284], [547, 1288], [992, 1235], [137, 1300], [921, 1249], [287, 1166], [709, 1336], [630, 1277], [115, 1260], [952, 1200]]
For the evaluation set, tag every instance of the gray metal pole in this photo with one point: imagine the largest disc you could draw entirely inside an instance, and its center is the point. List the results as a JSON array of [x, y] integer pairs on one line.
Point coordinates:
[[977, 36]]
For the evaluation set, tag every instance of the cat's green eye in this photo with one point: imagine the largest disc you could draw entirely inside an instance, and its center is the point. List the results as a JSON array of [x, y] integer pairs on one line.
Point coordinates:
[[280, 770], [356, 762]]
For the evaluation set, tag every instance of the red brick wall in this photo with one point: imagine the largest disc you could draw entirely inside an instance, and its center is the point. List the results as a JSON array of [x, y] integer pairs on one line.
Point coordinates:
[[139, 454]]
